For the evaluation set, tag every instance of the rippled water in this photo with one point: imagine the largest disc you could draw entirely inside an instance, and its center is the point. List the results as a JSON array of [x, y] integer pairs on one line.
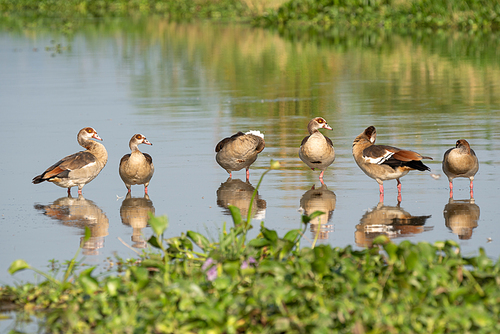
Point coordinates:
[[185, 87]]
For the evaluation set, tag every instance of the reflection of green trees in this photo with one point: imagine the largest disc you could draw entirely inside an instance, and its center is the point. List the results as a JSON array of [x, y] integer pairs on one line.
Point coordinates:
[[302, 77], [299, 75]]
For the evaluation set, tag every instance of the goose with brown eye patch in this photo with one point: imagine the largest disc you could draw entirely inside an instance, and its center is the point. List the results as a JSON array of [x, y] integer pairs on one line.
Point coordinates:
[[136, 167], [316, 150], [382, 162], [78, 169], [239, 151], [460, 161]]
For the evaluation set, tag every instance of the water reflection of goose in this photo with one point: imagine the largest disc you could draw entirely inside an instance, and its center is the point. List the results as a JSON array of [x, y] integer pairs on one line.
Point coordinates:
[[392, 221], [320, 199], [134, 212], [238, 193], [461, 217], [80, 212]]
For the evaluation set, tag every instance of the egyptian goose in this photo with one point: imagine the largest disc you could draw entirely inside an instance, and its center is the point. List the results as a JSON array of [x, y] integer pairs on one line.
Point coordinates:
[[80, 168], [381, 162], [239, 151], [460, 161], [137, 167], [317, 150]]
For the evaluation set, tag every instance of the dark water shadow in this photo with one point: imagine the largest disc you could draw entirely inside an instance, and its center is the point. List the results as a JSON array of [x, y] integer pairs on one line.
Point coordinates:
[[461, 217], [392, 221], [319, 199], [238, 193], [134, 212], [80, 213]]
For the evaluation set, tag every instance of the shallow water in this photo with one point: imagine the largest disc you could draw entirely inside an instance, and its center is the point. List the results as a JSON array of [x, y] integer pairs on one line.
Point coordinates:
[[186, 86]]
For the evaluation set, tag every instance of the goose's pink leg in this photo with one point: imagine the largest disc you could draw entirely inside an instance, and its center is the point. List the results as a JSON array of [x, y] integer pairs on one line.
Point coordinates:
[[399, 190]]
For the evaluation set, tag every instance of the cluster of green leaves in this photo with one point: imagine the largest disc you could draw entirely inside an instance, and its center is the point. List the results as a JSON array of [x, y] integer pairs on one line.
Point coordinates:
[[418, 288], [321, 15], [186, 9]]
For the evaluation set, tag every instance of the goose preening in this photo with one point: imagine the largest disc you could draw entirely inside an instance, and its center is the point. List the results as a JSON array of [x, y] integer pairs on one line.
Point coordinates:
[[80, 168], [316, 150], [137, 167], [382, 163], [239, 151], [460, 161]]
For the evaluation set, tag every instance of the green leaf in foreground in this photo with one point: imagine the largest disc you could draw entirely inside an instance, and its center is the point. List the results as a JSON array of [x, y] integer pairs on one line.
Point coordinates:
[[18, 265]]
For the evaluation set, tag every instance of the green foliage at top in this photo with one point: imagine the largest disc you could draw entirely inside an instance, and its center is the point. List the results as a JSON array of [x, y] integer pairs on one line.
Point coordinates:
[[271, 285], [483, 15], [321, 15], [179, 10]]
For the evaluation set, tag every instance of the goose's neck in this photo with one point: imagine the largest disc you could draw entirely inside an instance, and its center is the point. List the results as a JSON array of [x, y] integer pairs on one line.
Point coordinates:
[[98, 150]]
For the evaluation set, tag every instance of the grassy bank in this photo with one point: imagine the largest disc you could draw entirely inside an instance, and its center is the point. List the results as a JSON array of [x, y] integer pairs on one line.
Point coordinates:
[[468, 15], [319, 15], [269, 284]]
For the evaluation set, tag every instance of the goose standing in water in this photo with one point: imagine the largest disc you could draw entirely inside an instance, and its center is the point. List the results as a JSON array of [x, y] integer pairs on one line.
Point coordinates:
[[317, 150], [80, 168], [239, 151], [460, 161], [136, 167], [382, 163]]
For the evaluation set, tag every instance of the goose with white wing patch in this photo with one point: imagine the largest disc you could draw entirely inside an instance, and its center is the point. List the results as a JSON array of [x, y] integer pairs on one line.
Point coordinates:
[[382, 162], [239, 151]]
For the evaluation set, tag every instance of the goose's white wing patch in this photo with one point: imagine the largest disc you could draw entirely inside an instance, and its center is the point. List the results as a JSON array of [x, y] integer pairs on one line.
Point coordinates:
[[380, 159]]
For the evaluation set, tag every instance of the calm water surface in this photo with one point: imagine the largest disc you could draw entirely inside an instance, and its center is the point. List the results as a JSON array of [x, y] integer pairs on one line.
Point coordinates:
[[185, 87]]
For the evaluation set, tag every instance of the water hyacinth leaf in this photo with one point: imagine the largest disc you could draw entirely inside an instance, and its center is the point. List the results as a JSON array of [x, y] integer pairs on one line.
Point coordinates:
[[141, 275], [412, 260], [89, 283], [270, 235], [292, 235], [18, 265], [236, 214], [222, 283], [112, 286], [179, 244], [271, 267], [153, 241], [259, 243], [158, 224], [231, 267], [199, 239]]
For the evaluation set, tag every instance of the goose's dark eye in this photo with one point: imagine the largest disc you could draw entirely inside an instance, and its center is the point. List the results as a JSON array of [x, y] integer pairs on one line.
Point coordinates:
[[138, 137]]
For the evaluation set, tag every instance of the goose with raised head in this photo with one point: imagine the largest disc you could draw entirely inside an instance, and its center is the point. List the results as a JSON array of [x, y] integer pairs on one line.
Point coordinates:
[[239, 151], [136, 167], [78, 169], [382, 162], [460, 161], [316, 150]]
